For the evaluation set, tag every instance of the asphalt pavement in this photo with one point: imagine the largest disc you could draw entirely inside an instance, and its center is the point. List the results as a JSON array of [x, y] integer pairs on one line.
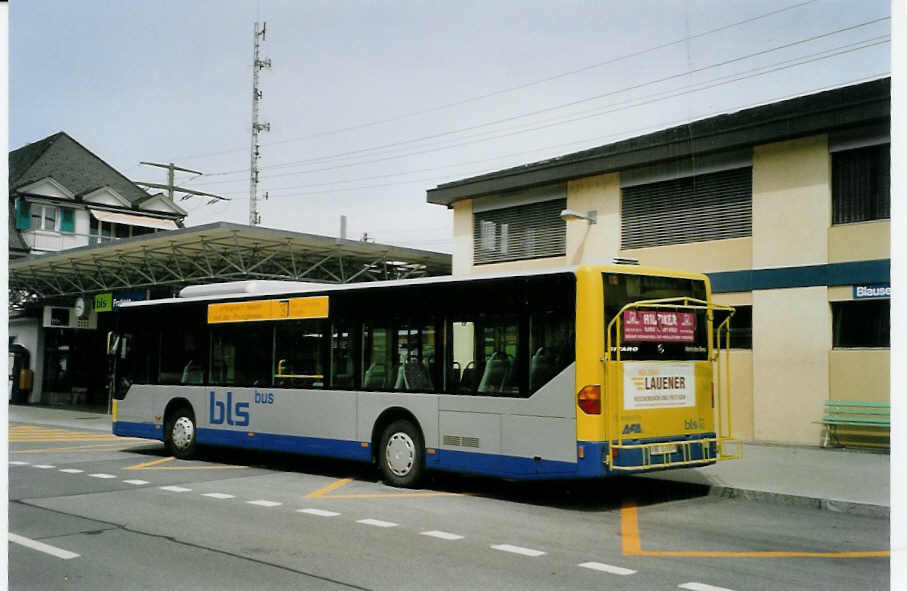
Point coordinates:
[[87, 509], [835, 479]]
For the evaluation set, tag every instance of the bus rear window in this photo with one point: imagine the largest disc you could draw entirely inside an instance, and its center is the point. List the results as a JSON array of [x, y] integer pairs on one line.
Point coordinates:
[[657, 334]]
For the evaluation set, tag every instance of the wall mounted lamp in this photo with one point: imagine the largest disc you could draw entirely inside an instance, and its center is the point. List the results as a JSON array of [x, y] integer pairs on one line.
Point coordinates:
[[571, 214]]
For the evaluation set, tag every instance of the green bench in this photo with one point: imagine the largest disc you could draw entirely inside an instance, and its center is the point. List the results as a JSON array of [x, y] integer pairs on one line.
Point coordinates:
[[854, 413]]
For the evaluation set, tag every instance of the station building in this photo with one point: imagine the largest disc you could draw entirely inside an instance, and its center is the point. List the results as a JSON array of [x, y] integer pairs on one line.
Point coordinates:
[[785, 206]]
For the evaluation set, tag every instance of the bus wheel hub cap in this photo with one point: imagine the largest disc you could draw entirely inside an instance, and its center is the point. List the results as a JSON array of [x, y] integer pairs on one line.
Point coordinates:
[[400, 453], [182, 432]]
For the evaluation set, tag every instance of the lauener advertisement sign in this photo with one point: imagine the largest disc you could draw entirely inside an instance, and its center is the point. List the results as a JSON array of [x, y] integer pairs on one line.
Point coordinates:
[[658, 385]]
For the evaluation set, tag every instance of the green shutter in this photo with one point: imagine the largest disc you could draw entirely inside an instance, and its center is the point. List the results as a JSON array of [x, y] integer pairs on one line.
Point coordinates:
[[23, 214], [67, 219]]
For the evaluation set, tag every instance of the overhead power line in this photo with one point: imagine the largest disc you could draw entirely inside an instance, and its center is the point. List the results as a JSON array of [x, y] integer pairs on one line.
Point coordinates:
[[552, 108], [619, 106], [523, 86]]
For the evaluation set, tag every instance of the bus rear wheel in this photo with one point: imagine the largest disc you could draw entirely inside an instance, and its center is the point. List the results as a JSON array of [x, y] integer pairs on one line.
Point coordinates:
[[401, 454], [179, 433]]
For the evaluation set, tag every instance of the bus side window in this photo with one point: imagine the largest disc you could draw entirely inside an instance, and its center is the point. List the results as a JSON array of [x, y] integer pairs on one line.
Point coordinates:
[[461, 376], [300, 350], [342, 365], [498, 353], [377, 364], [241, 354]]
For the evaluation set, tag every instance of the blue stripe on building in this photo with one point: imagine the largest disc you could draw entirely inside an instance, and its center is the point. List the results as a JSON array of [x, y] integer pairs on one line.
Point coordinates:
[[877, 271]]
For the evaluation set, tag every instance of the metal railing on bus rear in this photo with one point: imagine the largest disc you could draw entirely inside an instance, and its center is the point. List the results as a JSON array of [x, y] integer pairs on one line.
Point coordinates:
[[711, 448]]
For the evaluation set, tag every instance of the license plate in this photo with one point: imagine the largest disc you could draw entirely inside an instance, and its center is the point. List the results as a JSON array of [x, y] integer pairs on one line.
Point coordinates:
[[657, 450]]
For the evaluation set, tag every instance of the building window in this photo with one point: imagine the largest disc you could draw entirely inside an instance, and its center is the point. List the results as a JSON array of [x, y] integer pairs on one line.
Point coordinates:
[[528, 231], [861, 184], [44, 217], [741, 327], [858, 324], [714, 206]]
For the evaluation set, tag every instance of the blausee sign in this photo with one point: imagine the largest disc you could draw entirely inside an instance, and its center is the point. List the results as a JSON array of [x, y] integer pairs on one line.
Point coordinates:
[[876, 290]]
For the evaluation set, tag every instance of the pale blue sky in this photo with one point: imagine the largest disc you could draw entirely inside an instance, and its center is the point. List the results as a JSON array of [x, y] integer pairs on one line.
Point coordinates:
[[170, 80]]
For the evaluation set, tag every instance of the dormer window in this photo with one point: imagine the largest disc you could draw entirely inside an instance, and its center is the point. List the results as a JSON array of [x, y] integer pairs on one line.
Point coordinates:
[[44, 217]]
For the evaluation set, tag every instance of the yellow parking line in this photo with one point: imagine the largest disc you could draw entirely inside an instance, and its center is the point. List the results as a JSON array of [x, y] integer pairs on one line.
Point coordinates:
[[153, 465], [102, 447], [323, 492], [394, 495], [32, 434], [333, 486], [632, 546]]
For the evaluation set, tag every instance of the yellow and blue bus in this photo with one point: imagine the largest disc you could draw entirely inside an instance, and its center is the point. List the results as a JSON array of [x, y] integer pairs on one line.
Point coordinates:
[[581, 372]]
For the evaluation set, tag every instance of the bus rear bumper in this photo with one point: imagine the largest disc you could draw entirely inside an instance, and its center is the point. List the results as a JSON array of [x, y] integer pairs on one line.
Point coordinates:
[[645, 455]]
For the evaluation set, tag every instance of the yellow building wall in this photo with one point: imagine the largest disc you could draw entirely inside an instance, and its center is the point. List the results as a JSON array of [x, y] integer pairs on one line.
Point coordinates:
[[593, 243], [860, 374], [791, 203], [544, 263], [462, 231], [741, 370], [735, 254], [864, 241], [791, 341]]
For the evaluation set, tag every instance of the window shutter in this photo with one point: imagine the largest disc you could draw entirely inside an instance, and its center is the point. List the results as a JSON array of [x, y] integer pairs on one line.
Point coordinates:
[[713, 206], [861, 184], [23, 214], [67, 220], [527, 231]]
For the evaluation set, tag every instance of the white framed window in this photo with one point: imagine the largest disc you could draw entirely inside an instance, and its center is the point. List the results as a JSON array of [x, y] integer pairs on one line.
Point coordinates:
[[44, 217]]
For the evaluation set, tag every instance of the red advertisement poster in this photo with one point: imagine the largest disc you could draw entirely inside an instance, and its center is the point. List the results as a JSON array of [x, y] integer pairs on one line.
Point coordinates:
[[658, 325]]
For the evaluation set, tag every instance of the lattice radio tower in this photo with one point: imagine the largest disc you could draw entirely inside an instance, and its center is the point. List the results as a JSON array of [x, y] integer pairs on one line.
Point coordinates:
[[258, 64]]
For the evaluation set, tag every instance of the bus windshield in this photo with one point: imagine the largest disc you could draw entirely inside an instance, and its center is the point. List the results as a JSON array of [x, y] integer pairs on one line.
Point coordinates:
[[678, 335]]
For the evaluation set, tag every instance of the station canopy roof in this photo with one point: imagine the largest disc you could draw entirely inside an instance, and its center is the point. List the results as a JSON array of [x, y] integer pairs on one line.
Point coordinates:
[[213, 253]]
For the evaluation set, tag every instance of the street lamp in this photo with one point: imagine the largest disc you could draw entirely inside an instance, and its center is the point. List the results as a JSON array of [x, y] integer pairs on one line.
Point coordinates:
[[571, 214]]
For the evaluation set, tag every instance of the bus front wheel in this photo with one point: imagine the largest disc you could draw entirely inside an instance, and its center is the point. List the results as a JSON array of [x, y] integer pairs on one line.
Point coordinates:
[[180, 434], [402, 454]]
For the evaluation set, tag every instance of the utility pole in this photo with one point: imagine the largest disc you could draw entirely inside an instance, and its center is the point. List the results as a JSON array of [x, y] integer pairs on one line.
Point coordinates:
[[171, 186], [258, 64]]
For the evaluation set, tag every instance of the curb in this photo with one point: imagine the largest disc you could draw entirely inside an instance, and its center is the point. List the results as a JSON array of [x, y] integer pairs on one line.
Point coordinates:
[[837, 506]]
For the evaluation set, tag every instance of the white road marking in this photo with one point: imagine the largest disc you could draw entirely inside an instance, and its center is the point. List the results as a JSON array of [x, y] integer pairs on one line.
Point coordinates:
[[175, 488], [702, 587], [377, 523], [219, 495], [136, 482], [519, 550], [607, 568], [72, 470], [42, 547], [319, 512], [44, 466], [264, 503], [18, 463], [102, 475], [442, 535]]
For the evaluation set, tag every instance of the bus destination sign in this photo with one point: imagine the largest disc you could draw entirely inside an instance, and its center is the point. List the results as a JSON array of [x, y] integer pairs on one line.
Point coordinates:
[[258, 310], [659, 325]]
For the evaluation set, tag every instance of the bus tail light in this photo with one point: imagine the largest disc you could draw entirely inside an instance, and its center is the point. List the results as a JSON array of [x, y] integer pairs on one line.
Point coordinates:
[[589, 399]]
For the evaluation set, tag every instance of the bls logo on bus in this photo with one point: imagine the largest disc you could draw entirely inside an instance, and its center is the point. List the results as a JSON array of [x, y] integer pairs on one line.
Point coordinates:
[[220, 411]]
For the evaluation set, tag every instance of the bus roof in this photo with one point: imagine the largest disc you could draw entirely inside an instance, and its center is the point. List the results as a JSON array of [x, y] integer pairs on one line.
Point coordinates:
[[245, 289]]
